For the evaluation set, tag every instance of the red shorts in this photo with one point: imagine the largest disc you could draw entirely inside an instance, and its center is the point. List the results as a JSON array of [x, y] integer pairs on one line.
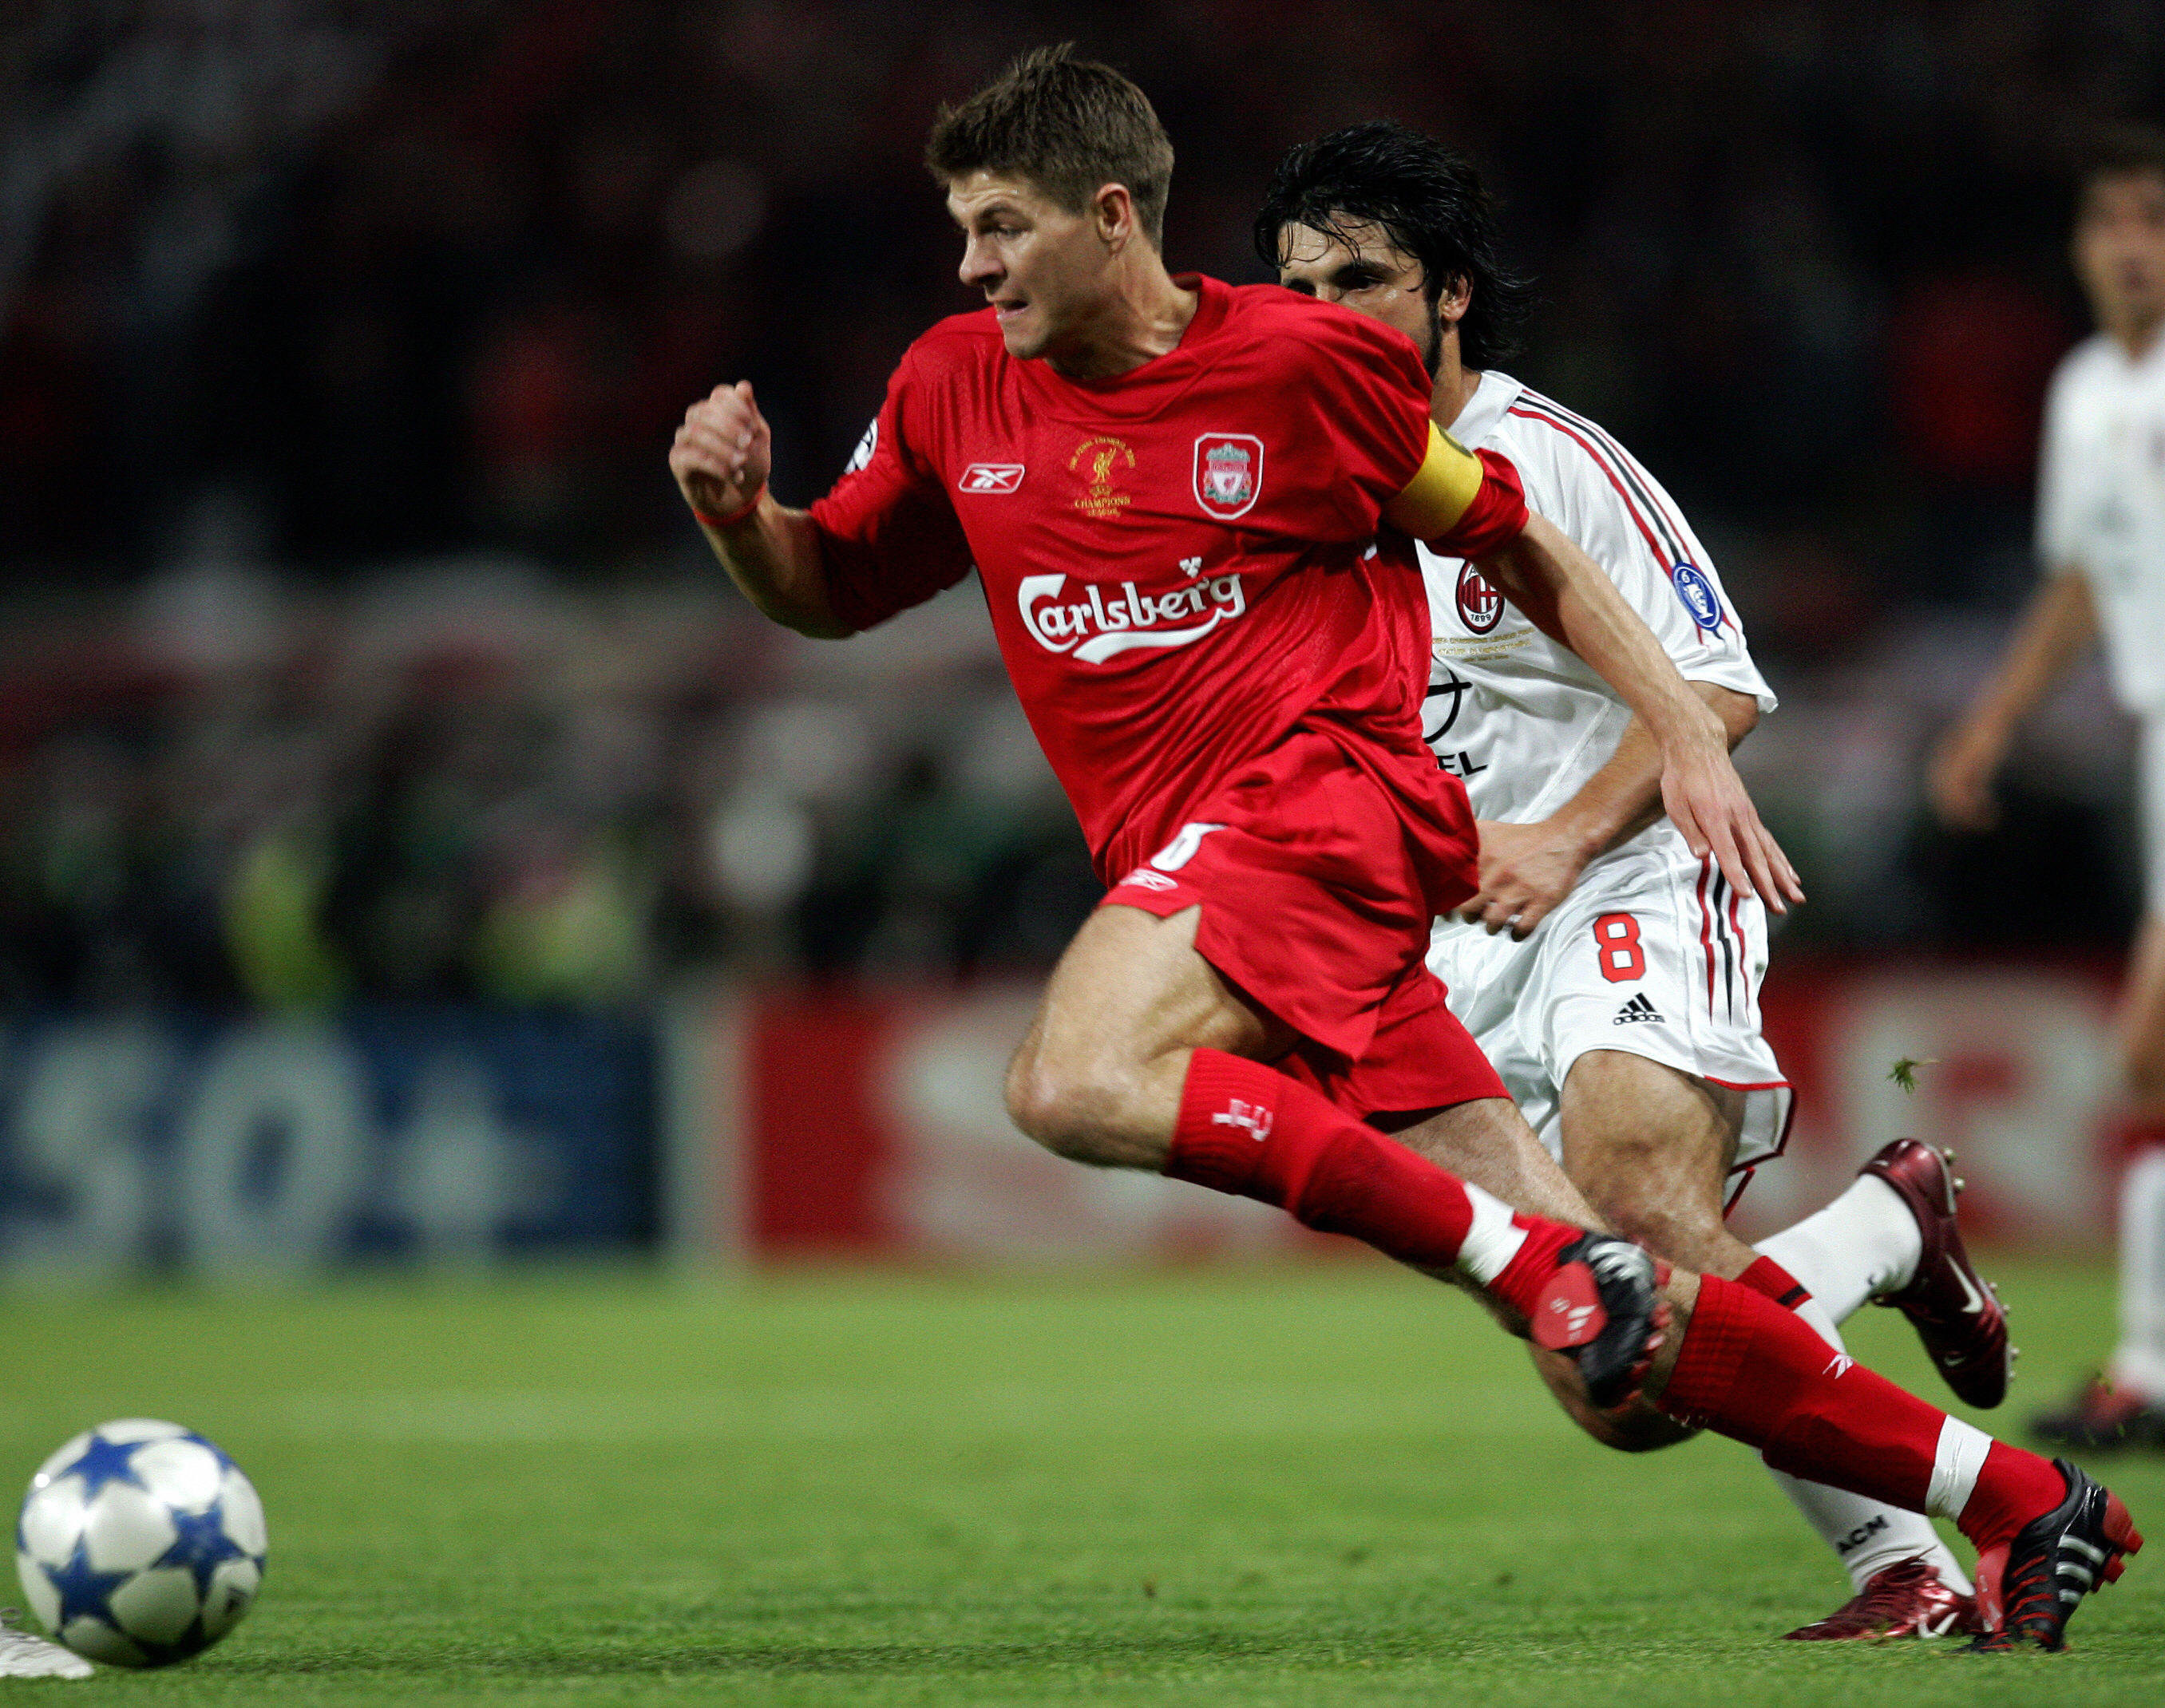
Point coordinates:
[[1318, 885]]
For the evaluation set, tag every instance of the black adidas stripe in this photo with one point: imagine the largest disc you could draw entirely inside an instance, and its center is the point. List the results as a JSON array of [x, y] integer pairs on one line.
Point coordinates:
[[1728, 945], [1619, 464]]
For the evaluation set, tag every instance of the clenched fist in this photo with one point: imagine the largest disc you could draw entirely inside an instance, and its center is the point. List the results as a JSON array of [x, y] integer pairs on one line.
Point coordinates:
[[722, 452]]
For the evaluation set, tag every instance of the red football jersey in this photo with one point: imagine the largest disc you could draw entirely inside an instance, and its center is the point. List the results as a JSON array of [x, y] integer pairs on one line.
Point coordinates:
[[1180, 562]]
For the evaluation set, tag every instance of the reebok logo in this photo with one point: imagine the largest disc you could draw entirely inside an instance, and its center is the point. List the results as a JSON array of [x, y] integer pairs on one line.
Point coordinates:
[[1638, 1008], [1252, 1117], [991, 477]]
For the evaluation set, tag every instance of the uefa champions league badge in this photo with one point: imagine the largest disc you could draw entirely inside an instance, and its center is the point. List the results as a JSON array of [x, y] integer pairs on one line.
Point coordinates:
[[1229, 473], [1698, 596]]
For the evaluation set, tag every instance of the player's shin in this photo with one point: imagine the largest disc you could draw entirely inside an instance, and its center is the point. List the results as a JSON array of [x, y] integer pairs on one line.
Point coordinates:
[[1244, 1129], [1749, 1370], [1867, 1536]]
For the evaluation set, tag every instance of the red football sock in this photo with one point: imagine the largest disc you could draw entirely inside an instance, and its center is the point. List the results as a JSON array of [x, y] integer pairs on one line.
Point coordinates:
[[1245, 1130], [1755, 1372], [2012, 1489], [1770, 1281]]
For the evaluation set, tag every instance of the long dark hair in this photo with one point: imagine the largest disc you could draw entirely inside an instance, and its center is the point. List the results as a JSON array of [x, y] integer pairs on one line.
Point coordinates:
[[1426, 198]]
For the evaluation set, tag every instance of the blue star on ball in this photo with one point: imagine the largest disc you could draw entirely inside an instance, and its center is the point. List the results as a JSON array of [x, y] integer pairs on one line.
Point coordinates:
[[201, 1545], [104, 1462], [84, 1589]]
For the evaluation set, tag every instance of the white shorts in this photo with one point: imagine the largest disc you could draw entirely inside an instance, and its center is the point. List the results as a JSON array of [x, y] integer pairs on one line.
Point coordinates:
[[2150, 787], [1652, 954]]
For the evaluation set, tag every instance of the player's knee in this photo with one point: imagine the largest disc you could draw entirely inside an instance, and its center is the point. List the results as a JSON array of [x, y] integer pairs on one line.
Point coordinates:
[[1629, 1213], [1683, 1226], [1630, 1219], [1073, 1109]]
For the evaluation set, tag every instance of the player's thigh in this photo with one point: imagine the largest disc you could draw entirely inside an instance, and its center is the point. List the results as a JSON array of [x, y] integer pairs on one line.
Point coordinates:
[[1489, 1143], [2143, 1017], [1093, 1078], [1651, 1147]]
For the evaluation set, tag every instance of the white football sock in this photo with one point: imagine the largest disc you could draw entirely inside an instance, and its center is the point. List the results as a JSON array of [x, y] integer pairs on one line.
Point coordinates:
[[2138, 1361], [1492, 1240], [1955, 1462], [1863, 1245], [1867, 1536]]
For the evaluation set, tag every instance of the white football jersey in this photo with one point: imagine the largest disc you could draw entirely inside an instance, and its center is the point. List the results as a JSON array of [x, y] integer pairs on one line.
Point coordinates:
[[2101, 502], [1521, 719]]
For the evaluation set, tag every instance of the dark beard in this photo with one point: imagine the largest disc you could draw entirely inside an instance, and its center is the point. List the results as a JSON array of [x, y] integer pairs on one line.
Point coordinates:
[[1432, 357]]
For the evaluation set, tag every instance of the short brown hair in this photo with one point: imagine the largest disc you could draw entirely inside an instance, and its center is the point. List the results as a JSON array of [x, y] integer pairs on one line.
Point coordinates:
[[2119, 150], [1070, 126]]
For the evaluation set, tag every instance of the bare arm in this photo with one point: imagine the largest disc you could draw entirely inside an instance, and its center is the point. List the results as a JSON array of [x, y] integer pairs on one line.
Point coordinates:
[[2060, 621], [1527, 869], [721, 459], [1566, 595]]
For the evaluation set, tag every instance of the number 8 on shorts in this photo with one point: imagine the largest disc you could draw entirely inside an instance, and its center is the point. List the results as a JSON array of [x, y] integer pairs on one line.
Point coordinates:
[[1616, 940]]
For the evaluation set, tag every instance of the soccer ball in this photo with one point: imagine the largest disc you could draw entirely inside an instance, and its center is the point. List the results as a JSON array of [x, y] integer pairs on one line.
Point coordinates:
[[140, 1543]]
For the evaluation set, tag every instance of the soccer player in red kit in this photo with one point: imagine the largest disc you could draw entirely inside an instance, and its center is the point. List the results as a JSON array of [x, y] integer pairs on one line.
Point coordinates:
[[1188, 506]]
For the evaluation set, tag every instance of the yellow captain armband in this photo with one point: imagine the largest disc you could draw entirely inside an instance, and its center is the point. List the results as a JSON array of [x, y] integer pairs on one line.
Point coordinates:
[[1440, 490]]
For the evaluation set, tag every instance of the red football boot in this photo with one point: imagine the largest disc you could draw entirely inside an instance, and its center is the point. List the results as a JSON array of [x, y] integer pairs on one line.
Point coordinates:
[[1955, 1311], [1908, 1599]]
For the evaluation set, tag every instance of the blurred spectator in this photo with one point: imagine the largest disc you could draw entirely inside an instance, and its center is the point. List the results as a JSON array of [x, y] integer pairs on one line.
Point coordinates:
[[423, 278], [356, 644]]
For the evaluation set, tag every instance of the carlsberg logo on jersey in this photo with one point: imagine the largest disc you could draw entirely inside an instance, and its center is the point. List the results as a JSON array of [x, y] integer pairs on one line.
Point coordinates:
[[1095, 628]]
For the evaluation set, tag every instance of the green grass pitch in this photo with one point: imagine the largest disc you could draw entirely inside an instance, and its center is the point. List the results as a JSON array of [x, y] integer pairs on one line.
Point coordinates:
[[1327, 1484]]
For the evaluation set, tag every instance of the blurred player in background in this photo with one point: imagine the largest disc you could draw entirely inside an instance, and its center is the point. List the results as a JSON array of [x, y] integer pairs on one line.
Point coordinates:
[[2101, 544], [1175, 495], [1611, 975]]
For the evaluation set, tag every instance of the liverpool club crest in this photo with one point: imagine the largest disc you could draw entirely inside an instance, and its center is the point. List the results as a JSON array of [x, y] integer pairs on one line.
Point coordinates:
[[1229, 473]]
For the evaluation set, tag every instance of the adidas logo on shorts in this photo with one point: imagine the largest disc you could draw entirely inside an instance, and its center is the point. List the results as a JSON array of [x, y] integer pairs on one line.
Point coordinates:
[[1638, 1008]]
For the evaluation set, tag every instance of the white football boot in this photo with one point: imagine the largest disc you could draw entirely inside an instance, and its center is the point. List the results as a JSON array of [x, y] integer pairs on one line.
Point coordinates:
[[23, 1656]]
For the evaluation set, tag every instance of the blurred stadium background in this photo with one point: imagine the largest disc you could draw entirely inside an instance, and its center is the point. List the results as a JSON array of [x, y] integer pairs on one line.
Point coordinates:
[[411, 852]]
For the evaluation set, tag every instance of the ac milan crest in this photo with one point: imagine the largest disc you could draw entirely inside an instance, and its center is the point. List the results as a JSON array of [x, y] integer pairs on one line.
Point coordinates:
[[1480, 605], [1229, 473]]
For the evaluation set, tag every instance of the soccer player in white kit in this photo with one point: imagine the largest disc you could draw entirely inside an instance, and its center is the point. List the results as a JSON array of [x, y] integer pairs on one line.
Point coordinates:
[[1611, 976], [2101, 541]]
